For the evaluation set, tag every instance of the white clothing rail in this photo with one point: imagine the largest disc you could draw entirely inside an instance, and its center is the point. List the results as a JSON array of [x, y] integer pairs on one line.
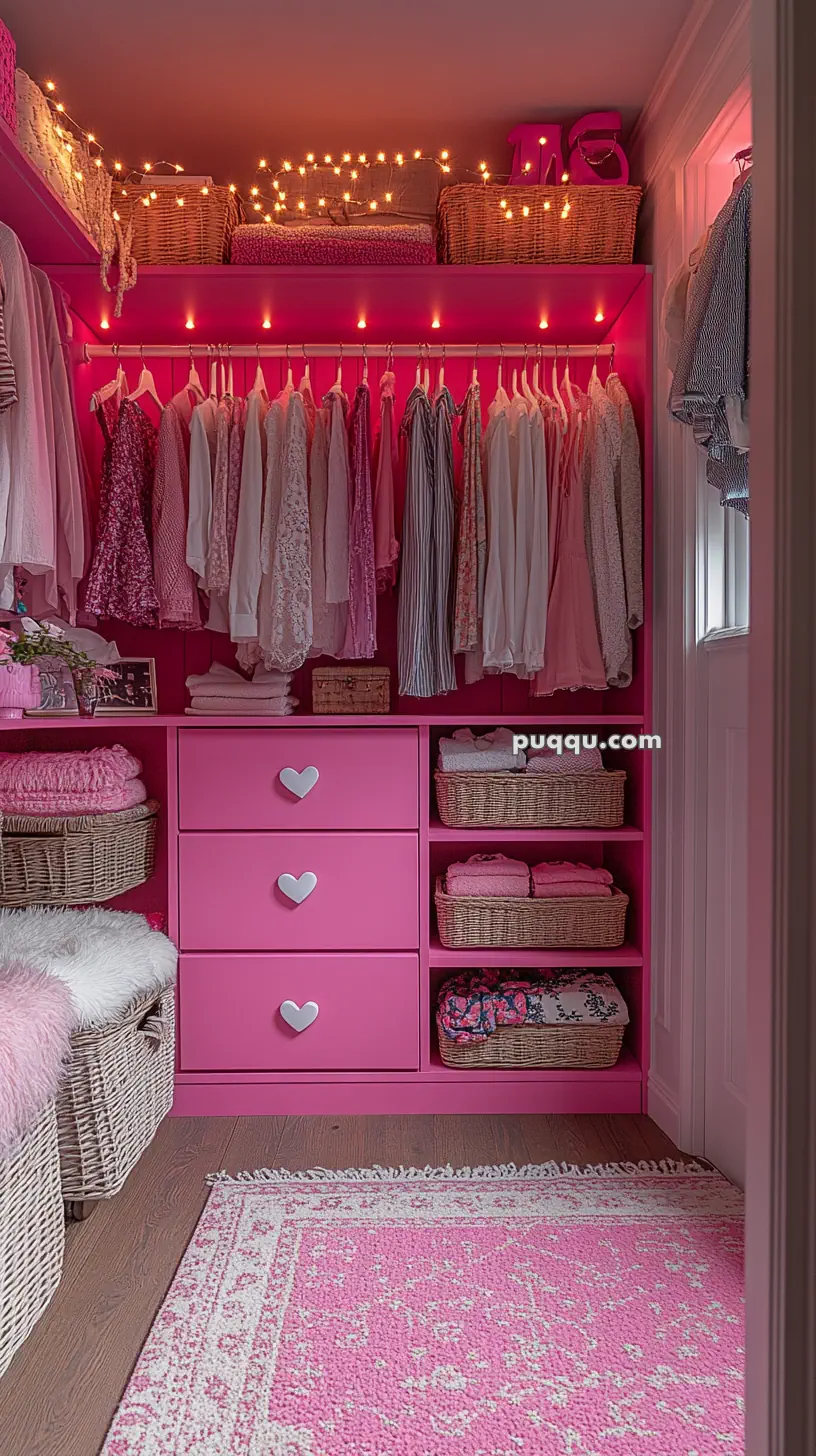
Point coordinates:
[[347, 351]]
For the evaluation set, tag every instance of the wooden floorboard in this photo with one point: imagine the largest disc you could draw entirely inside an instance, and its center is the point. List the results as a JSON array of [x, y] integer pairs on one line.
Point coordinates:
[[63, 1387]]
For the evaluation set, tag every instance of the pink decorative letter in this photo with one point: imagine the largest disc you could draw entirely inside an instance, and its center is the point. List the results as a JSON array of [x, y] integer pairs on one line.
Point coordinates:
[[589, 153]]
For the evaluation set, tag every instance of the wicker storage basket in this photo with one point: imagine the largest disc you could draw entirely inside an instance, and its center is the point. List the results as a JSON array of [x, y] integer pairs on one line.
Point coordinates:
[[32, 1233], [556, 924], [589, 1047], [76, 861], [351, 690], [119, 1088], [165, 234], [599, 227], [472, 800]]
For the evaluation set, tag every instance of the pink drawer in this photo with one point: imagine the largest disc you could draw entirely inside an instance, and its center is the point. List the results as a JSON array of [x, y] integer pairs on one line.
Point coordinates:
[[229, 778], [367, 1017], [366, 896]]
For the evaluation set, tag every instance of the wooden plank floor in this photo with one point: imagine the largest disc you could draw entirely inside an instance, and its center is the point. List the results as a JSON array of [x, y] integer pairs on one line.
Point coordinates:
[[62, 1389]]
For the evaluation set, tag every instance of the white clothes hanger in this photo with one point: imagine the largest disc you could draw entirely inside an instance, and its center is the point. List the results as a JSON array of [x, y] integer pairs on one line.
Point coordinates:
[[230, 378], [259, 387], [474, 378], [305, 386], [118, 385], [146, 385], [440, 378], [337, 387], [525, 387], [557, 394], [290, 379], [501, 396], [193, 381], [418, 380], [426, 378], [214, 378], [365, 364], [568, 382]]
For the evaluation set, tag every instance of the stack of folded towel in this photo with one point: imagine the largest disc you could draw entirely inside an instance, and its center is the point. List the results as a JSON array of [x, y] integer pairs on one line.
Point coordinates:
[[489, 874], [224, 691], [490, 754], [558, 878], [547, 761], [101, 781]]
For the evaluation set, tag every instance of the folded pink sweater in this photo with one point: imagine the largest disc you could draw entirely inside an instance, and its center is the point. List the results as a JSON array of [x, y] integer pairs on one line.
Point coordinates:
[[490, 865], [562, 890], [557, 871], [100, 781], [487, 885]]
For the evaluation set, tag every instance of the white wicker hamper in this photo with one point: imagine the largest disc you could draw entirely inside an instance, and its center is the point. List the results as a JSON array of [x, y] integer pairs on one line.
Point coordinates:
[[32, 1233]]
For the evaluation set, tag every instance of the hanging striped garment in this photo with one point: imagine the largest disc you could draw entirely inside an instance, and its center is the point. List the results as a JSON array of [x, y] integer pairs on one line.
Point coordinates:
[[8, 379], [442, 541], [415, 657]]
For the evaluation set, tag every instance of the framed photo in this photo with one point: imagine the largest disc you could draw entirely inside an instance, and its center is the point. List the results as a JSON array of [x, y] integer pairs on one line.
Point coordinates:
[[133, 691], [57, 695]]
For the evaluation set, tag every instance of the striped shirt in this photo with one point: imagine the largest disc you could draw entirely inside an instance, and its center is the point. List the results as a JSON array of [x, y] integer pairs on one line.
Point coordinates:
[[8, 379], [415, 651]]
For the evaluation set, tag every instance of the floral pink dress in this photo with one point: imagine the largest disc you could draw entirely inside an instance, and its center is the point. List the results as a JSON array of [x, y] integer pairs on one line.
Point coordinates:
[[120, 582]]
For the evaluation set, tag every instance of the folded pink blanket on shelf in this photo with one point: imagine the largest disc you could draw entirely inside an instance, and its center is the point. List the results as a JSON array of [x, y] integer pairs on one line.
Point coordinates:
[[360, 245], [556, 871], [575, 890], [485, 885], [245, 707], [546, 761], [96, 782], [490, 865]]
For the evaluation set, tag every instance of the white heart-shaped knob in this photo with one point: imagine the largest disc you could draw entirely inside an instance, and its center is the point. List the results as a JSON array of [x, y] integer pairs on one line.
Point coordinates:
[[299, 1017], [299, 784], [297, 890]]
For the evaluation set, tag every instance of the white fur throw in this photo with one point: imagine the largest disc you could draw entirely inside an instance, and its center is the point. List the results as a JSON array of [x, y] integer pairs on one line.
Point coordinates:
[[107, 958], [36, 1018]]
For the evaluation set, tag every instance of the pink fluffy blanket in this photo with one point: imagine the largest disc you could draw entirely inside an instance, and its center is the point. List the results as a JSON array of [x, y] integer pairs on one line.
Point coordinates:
[[36, 1020], [100, 781]]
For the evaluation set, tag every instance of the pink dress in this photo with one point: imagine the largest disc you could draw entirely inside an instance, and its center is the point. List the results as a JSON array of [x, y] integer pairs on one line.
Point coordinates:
[[361, 631], [572, 655], [120, 582], [176, 585], [386, 466]]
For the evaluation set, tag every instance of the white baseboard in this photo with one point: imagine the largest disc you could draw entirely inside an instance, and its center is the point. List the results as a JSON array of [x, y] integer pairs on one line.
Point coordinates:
[[663, 1107]]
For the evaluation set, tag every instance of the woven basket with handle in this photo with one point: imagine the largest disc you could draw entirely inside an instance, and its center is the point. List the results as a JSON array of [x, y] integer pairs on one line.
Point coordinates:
[[589, 1047], [471, 800], [166, 234], [555, 924], [32, 1229], [118, 1090], [563, 224], [77, 860], [351, 690]]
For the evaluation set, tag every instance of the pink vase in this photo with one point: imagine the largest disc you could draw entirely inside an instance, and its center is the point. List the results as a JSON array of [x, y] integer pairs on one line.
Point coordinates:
[[19, 689]]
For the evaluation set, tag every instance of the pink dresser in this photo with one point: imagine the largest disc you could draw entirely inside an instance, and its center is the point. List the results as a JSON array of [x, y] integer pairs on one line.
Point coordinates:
[[299, 911]]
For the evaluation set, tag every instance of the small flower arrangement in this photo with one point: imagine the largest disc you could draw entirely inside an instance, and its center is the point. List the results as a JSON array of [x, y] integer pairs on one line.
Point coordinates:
[[45, 641]]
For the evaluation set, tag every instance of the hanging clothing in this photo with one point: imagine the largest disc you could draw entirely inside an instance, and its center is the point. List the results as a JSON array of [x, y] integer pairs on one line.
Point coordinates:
[[603, 448], [675, 303], [203, 434], [26, 474], [234, 468], [713, 362], [176, 586], [629, 501], [500, 584], [361, 634], [286, 624], [471, 551], [217, 572], [70, 532], [8, 381], [535, 618], [87, 487], [415, 620], [521, 480], [442, 541], [572, 654], [245, 577], [329, 619], [120, 582], [339, 496], [386, 472]]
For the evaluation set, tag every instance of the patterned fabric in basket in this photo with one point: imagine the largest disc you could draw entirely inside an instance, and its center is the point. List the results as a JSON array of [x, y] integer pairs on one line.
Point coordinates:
[[361, 246], [8, 63], [474, 1004]]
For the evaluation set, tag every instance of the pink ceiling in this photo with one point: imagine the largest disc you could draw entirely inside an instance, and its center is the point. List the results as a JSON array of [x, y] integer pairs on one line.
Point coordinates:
[[215, 86]]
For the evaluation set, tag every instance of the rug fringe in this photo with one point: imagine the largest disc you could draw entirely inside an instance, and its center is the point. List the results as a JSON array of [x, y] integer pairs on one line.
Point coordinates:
[[666, 1167]]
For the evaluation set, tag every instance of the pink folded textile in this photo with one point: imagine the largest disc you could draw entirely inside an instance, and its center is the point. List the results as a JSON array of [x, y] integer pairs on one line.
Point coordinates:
[[554, 871], [486, 885], [358, 245], [561, 890], [245, 707], [545, 760], [55, 804], [490, 865], [33, 783]]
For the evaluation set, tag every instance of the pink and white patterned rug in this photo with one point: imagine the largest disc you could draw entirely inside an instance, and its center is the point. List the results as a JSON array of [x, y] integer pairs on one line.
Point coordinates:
[[542, 1311]]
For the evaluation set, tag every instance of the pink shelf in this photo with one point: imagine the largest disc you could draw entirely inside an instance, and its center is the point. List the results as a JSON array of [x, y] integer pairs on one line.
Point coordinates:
[[444, 835], [47, 229], [309, 720], [323, 304], [625, 955], [626, 1069]]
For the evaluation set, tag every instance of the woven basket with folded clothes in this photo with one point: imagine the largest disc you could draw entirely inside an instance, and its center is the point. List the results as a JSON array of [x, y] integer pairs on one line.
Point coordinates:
[[480, 783], [492, 900]]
